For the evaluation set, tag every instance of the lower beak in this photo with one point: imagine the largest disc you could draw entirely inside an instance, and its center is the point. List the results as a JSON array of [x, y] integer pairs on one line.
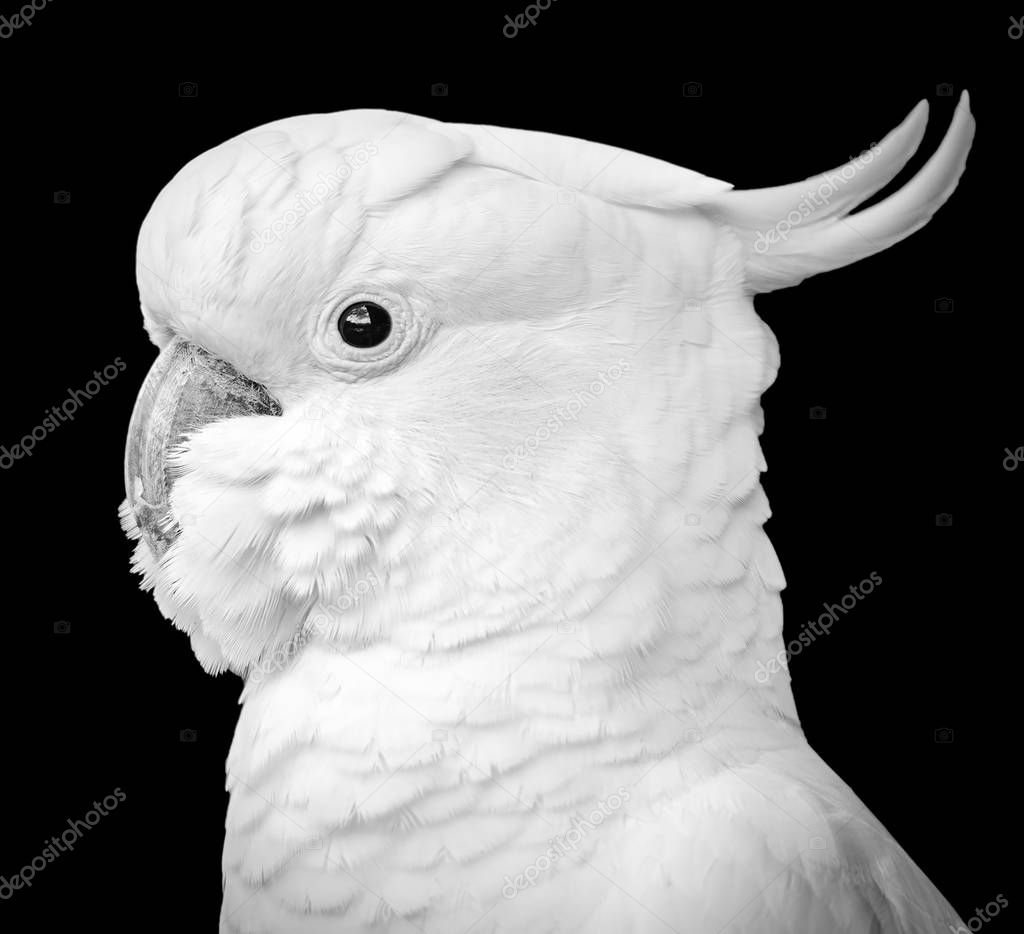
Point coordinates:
[[186, 388]]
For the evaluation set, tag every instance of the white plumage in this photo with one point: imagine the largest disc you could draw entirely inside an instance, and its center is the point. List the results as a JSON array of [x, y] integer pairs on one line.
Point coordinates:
[[506, 570]]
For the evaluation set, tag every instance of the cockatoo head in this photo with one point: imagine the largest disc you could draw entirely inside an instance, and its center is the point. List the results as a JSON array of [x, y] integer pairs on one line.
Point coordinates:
[[431, 383]]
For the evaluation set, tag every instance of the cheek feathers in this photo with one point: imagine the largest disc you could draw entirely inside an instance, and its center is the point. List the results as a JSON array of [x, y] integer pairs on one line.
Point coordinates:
[[276, 516]]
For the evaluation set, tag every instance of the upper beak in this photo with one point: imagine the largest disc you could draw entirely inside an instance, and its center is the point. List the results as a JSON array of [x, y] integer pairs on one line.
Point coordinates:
[[186, 388]]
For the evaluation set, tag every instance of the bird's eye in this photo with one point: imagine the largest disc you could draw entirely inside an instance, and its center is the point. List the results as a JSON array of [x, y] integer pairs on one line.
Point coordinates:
[[378, 328], [364, 324]]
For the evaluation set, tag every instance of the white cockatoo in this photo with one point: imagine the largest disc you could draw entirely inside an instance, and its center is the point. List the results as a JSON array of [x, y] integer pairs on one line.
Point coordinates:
[[451, 453]]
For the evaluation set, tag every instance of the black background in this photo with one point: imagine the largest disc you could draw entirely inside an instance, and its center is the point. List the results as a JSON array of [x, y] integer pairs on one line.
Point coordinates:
[[920, 405]]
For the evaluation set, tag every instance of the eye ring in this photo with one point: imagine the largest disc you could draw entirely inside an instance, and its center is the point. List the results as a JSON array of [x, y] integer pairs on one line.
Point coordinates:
[[352, 363]]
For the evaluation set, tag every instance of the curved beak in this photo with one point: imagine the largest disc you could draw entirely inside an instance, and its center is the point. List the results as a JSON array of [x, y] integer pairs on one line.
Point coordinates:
[[186, 388]]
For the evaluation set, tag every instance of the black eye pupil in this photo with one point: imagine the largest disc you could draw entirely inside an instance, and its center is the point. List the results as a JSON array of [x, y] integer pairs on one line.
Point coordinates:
[[364, 324]]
